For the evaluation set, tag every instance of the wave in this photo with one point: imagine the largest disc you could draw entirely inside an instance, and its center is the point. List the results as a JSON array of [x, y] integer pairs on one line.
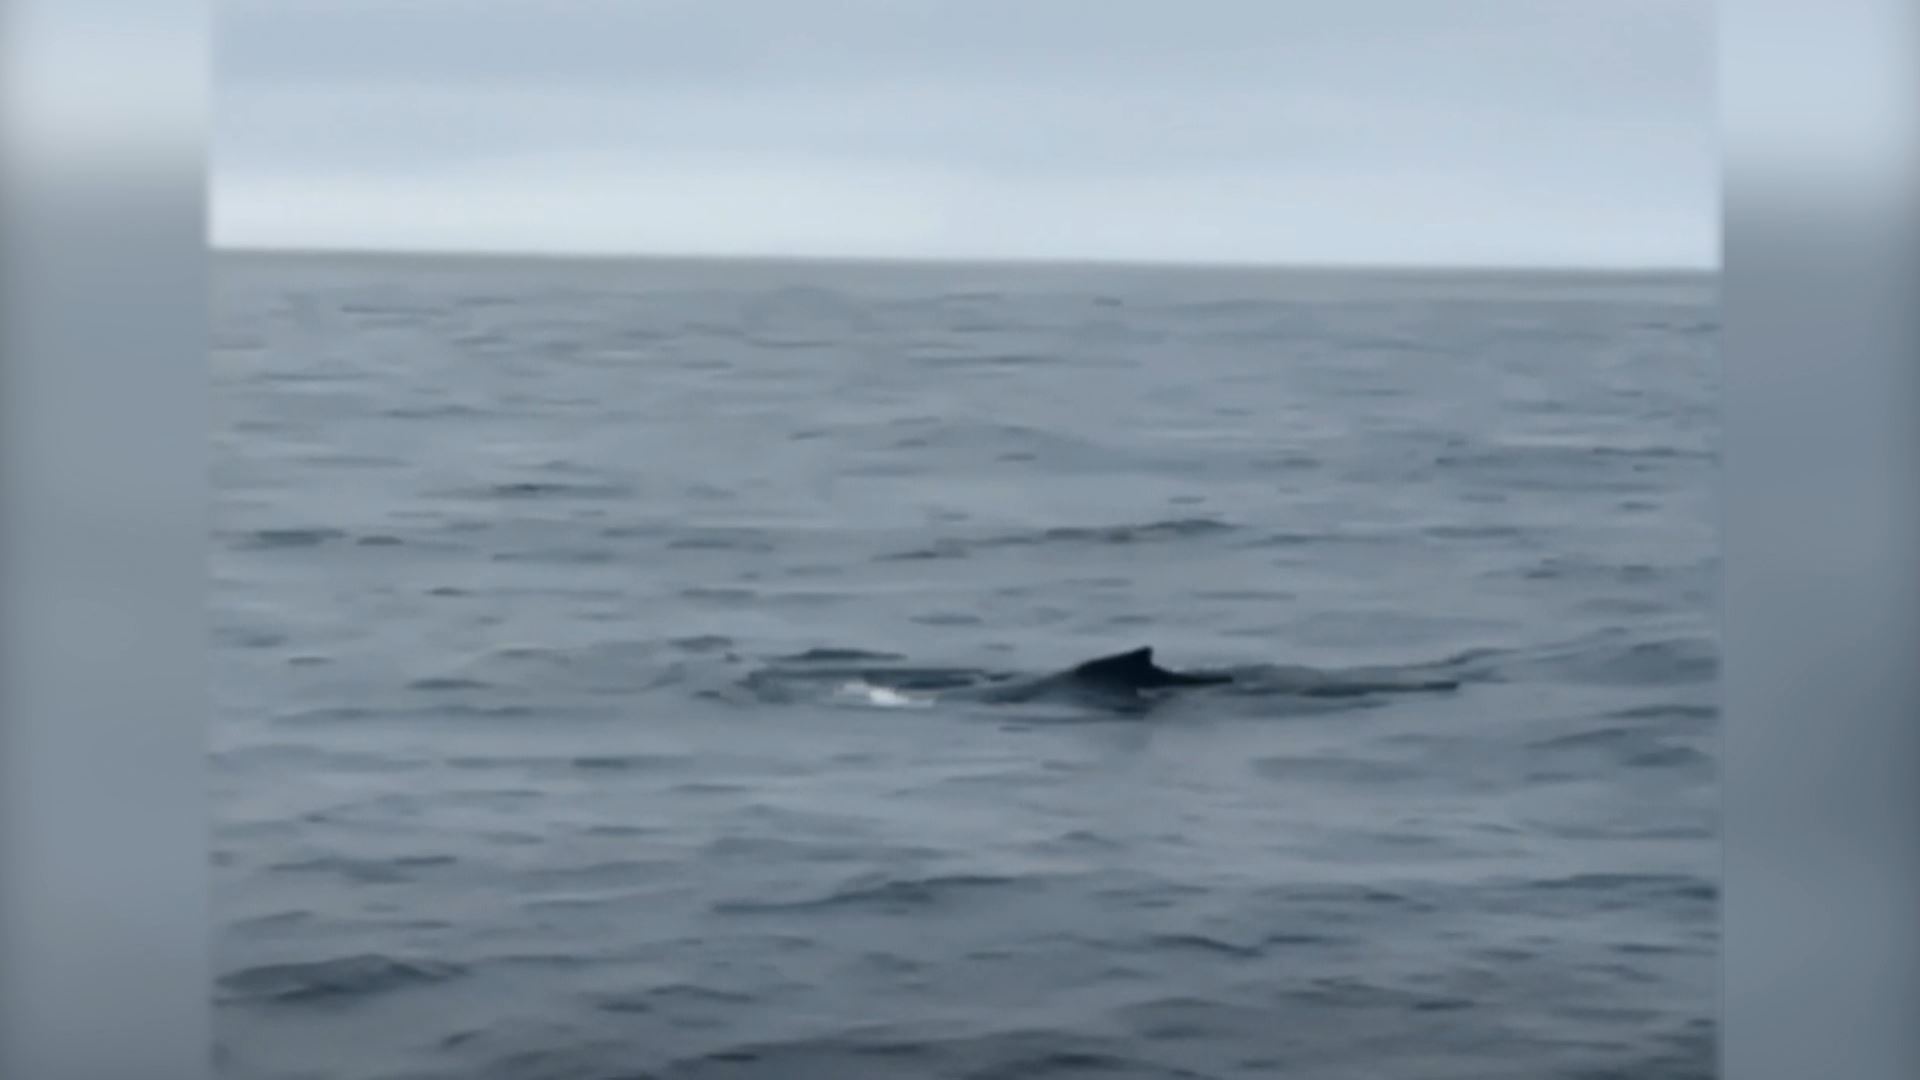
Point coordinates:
[[899, 1050], [311, 536], [839, 655], [1144, 533], [540, 489], [894, 893], [356, 976], [1608, 661], [1630, 745]]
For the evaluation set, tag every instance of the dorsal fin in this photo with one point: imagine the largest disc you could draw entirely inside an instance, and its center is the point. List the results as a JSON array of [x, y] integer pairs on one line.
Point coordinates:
[[1134, 666]]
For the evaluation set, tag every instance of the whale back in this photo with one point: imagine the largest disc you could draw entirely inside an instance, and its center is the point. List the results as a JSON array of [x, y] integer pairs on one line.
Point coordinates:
[[1132, 668], [1135, 670]]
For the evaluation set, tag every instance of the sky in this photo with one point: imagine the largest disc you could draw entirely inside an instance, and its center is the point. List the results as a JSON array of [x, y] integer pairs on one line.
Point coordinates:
[[1395, 132]]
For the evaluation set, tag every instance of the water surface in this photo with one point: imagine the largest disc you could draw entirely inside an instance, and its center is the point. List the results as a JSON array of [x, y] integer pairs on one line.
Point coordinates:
[[540, 587]]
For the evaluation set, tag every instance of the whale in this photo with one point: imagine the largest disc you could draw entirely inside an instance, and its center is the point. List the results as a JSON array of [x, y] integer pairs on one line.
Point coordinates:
[[1121, 677], [1129, 681]]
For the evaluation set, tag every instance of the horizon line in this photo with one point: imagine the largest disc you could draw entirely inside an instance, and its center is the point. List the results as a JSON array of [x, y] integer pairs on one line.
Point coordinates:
[[1703, 269]]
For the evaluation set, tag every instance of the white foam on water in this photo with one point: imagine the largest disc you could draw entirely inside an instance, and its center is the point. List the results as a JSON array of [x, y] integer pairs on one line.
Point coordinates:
[[882, 697]]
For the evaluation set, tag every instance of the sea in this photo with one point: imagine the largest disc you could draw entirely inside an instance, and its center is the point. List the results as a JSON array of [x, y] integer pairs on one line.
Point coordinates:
[[584, 633]]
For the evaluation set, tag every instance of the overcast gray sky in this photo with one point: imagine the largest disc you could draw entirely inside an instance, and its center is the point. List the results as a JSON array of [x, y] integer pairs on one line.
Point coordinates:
[[1372, 131]]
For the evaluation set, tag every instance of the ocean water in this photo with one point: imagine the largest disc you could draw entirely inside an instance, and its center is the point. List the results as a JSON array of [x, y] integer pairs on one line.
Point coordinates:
[[582, 627]]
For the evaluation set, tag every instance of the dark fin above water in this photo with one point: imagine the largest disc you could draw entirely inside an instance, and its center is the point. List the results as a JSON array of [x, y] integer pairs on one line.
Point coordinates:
[[1135, 668]]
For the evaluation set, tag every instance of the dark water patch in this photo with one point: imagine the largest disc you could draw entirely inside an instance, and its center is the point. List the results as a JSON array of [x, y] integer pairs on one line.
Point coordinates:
[[781, 344], [1670, 662], [943, 433], [270, 539], [1690, 714], [1441, 1005], [1026, 1054], [1070, 536], [774, 596], [325, 714], [343, 978], [1577, 568], [319, 759], [1655, 453], [882, 893], [757, 847], [365, 871], [1206, 944], [1681, 886], [1634, 746], [1647, 948], [627, 762], [672, 997], [1080, 841], [495, 762], [350, 460], [731, 594], [1349, 992], [443, 684], [1189, 1019], [1178, 529], [948, 618], [1332, 907], [831, 655], [523, 1050], [1294, 538], [1248, 595], [1289, 461], [441, 522], [1481, 532], [1674, 898], [986, 360], [484, 301], [741, 540], [444, 410], [617, 882], [610, 829], [1521, 467], [274, 920], [450, 711], [545, 489], [1340, 770], [944, 550], [746, 693], [565, 556], [538, 653], [1602, 738], [712, 787], [380, 540]]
